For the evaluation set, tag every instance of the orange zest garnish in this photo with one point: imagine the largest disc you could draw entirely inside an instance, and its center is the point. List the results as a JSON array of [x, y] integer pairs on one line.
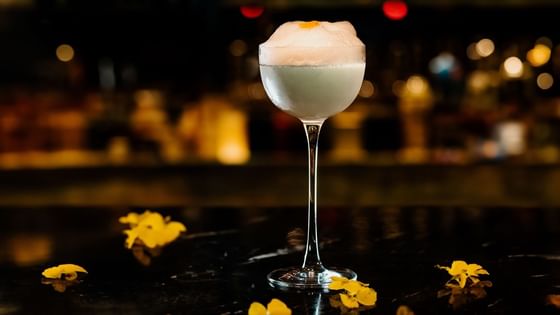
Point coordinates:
[[310, 24]]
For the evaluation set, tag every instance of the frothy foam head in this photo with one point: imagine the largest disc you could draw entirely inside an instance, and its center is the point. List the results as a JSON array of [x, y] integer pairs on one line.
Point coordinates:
[[312, 43]]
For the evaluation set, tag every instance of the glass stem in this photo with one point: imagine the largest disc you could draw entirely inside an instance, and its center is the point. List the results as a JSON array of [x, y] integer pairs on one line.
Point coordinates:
[[312, 258]]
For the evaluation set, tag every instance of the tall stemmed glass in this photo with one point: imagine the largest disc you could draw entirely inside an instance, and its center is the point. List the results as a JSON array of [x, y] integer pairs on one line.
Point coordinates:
[[311, 92]]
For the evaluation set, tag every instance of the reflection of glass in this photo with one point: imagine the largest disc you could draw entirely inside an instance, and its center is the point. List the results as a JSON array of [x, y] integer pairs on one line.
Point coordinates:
[[311, 93]]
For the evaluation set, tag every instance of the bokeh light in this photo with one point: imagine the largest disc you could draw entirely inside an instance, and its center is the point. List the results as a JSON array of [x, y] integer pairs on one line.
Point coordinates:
[[251, 11], [478, 81], [513, 67], [484, 47], [443, 64], [417, 85], [65, 53], [545, 81], [395, 9], [539, 55], [238, 48], [367, 89], [397, 87], [472, 54]]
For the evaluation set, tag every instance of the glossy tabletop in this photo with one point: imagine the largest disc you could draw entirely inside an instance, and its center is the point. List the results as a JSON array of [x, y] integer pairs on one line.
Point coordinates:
[[219, 266]]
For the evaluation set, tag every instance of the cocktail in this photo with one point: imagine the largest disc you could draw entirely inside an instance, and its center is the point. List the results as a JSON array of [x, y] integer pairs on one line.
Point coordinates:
[[312, 70]]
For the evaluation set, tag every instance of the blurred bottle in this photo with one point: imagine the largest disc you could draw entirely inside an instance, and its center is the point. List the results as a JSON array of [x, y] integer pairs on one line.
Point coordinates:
[[215, 130], [415, 102]]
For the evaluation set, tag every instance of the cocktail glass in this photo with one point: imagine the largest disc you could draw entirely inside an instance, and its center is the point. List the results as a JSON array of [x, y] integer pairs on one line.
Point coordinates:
[[312, 93]]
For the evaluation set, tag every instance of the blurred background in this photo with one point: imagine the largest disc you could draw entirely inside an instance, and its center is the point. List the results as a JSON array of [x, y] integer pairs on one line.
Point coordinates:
[[144, 102]]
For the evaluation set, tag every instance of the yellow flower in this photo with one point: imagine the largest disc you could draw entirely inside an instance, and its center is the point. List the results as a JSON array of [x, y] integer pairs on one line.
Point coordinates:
[[64, 271], [274, 307], [151, 228], [460, 272], [341, 283], [364, 296], [349, 301], [356, 293]]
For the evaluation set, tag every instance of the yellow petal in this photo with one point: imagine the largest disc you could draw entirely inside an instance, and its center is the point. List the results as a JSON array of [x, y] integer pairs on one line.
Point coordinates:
[[72, 268], [152, 220], [152, 229], [462, 280], [352, 286], [131, 218], [443, 267], [150, 237], [173, 230], [257, 309], [366, 296], [68, 271], [52, 273], [277, 307], [131, 236], [458, 267], [349, 301], [474, 269], [337, 283]]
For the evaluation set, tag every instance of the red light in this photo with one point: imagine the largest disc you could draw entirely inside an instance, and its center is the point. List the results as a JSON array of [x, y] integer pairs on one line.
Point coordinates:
[[395, 9], [251, 11]]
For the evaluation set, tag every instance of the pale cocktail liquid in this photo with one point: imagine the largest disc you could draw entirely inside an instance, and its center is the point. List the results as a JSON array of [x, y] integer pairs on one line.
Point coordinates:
[[312, 92]]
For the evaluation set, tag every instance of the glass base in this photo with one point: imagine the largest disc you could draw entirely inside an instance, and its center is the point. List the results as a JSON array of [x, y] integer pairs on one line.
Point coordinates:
[[307, 278]]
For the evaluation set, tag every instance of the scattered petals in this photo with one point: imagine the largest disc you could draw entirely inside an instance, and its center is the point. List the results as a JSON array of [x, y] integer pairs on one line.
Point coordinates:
[[274, 307], [464, 285], [64, 271], [356, 295], [349, 301], [277, 307], [62, 276], [352, 287], [337, 283], [366, 296], [151, 229], [257, 308], [461, 272]]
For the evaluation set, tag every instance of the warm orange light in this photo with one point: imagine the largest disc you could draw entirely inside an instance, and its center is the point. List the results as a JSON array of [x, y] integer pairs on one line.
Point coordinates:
[[65, 53], [232, 140], [539, 55], [484, 47], [513, 67], [472, 53], [367, 89], [238, 48], [251, 11], [545, 81], [395, 9], [417, 85]]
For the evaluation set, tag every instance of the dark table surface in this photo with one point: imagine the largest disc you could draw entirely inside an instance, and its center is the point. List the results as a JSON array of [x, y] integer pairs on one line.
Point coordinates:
[[219, 266]]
